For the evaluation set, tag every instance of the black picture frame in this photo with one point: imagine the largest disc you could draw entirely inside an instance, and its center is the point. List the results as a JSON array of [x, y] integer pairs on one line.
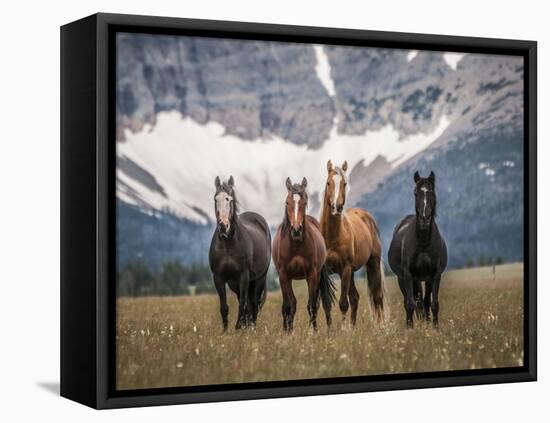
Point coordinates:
[[88, 203]]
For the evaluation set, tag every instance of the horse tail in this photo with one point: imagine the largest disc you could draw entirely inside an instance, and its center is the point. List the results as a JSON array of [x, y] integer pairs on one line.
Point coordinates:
[[378, 295], [327, 288], [385, 303]]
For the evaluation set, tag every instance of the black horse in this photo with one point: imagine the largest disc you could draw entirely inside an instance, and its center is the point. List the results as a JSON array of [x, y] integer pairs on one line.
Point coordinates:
[[240, 253], [418, 253]]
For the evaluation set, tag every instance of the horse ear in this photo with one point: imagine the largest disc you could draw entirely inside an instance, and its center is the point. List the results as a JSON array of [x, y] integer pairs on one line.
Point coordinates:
[[416, 177], [432, 178], [231, 182], [345, 166], [217, 182], [329, 166], [288, 184], [304, 182]]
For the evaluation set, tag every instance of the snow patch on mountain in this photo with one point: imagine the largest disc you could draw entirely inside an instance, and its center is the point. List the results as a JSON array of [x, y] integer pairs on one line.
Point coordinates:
[[411, 55], [452, 59], [185, 157], [322, 69]]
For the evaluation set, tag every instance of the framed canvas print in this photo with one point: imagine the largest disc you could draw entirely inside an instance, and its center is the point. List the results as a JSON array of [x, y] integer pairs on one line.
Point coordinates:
[[256, 211]]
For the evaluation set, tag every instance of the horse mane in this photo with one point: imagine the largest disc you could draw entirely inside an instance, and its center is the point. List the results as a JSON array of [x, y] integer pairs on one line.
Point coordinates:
[[434, 212], [340, 172], [286, 221]]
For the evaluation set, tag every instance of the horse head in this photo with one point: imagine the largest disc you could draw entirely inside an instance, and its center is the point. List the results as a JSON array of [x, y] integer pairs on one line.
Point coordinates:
[[296, 204], [425, 200], [225, 206], [335, 192]]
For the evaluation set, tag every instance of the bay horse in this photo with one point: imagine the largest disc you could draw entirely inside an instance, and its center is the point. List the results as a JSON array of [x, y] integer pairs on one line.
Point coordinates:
[[353, 241], [299, 253], [418, 253], [240, 254]]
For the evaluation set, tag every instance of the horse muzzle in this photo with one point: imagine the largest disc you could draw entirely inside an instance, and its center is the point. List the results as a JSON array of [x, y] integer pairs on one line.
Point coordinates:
[[336, 209], [296, 233], [223, 229], [424, 223]]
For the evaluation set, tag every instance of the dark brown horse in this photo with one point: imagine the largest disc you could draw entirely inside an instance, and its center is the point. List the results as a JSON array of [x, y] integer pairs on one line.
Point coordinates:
[[239, 255], [352, 241], [299, 253], [418, 253]]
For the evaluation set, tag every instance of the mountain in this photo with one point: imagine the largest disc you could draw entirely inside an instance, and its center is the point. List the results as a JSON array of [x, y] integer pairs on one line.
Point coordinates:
[[480, 203], [189, 109], [155, 238], [253, 89]]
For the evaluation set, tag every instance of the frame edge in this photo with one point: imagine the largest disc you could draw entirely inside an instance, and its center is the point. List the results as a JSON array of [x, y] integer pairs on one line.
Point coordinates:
[[77, 212]]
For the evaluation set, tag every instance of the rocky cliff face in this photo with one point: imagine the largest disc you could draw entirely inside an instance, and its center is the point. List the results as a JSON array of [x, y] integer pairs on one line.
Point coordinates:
[[255, 90], [379, 86], [482, 97], [258, 89]]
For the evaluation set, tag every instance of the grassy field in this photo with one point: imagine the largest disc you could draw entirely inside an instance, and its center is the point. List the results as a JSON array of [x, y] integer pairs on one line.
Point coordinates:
[[177, 341]]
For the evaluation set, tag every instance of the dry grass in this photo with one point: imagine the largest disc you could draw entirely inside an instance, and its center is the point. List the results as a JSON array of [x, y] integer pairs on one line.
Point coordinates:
[[164, 342]]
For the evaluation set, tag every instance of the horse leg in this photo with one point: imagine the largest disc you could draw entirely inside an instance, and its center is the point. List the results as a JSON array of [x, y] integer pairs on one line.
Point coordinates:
[[427, 299], [259, 297], [401, 283], [327, 307], [224, 309], [353, 299], [435, 298], [345, 278], [292, 299], [252, 303], [289, 302], [409, 298], [417, 293], [374, 283], [242, 319], [313, 302]]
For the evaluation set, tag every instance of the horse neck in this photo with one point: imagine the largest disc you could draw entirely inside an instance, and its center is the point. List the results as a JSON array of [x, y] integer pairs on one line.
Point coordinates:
[[424, 235], [331, 225], [235, 231]]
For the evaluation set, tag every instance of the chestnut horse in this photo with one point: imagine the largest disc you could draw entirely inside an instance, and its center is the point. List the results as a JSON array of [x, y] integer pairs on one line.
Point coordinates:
[[353, 241], [299, 253]]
